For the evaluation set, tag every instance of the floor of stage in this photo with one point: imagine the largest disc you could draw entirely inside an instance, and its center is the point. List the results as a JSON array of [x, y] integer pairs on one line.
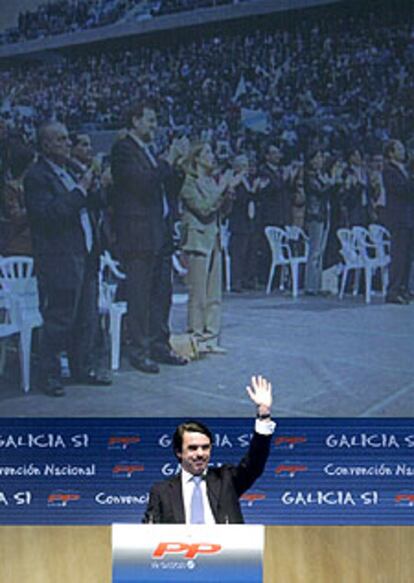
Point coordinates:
[[325, 357]]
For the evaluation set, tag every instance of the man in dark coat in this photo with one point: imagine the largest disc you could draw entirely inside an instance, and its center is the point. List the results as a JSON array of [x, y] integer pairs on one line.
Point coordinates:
[[243, 228], [204, 495], [275, 208], [399, 219], [66, 259], [143, 225]]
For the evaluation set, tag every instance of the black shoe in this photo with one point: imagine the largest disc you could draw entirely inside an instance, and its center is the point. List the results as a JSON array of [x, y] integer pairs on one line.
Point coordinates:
[[407, 296], [144, 364], [94, 377], [397, 300], [54, 388], [168, 356]]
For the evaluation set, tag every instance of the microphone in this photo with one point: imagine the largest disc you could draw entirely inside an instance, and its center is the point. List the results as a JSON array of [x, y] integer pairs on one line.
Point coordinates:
[[148, 518]]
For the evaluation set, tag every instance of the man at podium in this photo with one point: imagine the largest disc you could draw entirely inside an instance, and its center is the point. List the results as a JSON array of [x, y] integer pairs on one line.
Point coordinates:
[[203, 495]]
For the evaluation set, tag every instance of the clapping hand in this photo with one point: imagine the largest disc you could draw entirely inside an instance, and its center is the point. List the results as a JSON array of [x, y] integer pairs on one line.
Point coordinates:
[[178, 150], [225, 180], [86, 181], [260, 392], [236, 179]]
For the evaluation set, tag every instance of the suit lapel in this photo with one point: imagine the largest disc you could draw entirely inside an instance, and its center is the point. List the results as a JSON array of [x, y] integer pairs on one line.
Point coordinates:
[[177, 502], [140, 153]]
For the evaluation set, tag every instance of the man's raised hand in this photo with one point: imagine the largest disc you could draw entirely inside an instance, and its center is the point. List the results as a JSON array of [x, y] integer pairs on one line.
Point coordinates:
[[260, 392]]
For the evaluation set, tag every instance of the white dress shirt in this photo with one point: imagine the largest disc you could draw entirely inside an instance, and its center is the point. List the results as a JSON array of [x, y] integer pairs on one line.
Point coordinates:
[[263, 427], [154, 164], [188, 485]]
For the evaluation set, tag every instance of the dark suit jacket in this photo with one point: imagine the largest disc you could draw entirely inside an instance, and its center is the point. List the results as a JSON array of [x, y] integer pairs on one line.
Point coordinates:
[[54, 215], [399, 210], [317, 195], [138, 199], [239, 220], [275, 199], [225, 485]]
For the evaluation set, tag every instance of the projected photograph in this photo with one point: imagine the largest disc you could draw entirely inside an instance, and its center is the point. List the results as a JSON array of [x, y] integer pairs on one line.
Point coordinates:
[[193, 192]]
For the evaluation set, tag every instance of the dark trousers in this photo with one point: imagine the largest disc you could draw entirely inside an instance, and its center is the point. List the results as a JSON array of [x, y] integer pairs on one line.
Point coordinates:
[[243, 253], [265, 255], [401, 254], [70, 317], [148, 292]]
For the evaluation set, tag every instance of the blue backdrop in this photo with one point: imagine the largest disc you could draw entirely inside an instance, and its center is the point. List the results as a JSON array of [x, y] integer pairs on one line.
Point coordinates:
[[99, 471]]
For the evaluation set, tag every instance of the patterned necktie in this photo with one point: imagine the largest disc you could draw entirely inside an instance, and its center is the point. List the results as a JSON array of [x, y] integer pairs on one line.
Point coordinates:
[[197, 506]]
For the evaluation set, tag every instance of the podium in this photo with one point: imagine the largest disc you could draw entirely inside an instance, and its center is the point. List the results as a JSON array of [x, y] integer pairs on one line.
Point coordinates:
[[162, 553]]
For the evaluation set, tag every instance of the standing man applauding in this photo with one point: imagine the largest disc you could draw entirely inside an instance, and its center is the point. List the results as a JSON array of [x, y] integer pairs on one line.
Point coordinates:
[[143, 225], [66, 259]]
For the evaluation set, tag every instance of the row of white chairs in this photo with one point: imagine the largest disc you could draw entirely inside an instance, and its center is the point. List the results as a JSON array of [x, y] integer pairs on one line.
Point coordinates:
[[365, 251]]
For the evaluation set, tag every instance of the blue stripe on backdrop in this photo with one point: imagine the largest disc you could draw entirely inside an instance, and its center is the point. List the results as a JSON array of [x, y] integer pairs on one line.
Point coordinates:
[[99, 471]]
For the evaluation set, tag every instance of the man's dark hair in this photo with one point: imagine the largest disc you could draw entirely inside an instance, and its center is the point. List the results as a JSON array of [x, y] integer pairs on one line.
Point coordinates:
[[274, 143], [192, 427], [75, 138], [136, 109], [389, 148]]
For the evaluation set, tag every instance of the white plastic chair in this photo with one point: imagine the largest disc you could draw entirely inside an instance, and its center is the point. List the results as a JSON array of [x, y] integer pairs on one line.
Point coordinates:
[[108, 305], [374, 258], [298, 242], [20, 287], [381, 237], [7, 327], [352, 259], [283, 256], [225, 235]]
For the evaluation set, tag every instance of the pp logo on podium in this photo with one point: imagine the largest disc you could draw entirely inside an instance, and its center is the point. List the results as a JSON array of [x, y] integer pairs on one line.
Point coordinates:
[[185, 550]]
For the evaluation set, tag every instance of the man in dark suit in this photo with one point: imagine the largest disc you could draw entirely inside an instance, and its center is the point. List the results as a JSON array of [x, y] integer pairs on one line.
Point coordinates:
[[202, 495], [276, 203], [242, 225], [399, 219], [66, 259], [143, 226], [275, 207]]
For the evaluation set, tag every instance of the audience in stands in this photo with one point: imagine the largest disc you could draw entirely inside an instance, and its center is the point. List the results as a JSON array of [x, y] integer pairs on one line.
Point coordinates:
[[68, 16], [344, 78]]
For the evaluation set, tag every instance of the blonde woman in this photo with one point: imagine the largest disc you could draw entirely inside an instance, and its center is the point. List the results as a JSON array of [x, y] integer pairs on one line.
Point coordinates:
[[205, 199]]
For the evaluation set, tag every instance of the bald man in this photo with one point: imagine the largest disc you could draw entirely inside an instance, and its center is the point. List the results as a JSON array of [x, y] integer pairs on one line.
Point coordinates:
[[66, 259]]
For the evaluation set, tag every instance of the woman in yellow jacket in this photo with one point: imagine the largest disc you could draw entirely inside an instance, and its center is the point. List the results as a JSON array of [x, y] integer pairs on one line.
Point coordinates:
[[205, 199]]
